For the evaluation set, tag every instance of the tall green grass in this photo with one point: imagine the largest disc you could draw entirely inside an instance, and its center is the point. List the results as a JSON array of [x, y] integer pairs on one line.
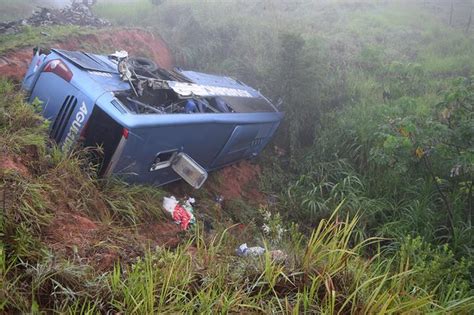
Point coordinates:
[[325, 273]]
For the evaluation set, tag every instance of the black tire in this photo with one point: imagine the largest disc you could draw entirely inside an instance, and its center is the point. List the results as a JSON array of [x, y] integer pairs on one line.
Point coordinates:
[[142, 65]]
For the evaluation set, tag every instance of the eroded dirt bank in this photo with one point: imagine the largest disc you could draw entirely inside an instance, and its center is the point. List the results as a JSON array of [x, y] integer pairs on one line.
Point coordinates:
[[137, 42]]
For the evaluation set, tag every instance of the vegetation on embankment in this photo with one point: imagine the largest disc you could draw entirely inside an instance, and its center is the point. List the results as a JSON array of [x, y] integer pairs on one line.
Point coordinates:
[[45, 192], [41, 36]]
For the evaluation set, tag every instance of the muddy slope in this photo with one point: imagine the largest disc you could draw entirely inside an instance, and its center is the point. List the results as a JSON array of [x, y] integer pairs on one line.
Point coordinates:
[[137, 42]]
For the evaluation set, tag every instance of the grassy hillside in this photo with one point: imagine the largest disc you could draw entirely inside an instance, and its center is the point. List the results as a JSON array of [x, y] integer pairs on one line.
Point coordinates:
[[367, 190], [41, 36], [45, 192]]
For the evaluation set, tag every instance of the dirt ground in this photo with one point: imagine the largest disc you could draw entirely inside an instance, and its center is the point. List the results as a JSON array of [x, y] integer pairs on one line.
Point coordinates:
[[240, 180], [77, 236], [13, 164]]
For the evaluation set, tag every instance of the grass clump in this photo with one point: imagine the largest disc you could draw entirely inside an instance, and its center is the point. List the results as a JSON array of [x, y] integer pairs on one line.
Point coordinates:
[[49, 198]]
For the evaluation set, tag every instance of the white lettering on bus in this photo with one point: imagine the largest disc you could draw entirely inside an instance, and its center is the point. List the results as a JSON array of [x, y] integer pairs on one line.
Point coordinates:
[[75, 127], [186, 89]]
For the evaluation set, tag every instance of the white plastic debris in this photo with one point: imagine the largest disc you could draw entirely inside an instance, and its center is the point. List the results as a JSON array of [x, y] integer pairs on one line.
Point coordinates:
[[122, 54], [169, 203], [244, 250], [277, 255]]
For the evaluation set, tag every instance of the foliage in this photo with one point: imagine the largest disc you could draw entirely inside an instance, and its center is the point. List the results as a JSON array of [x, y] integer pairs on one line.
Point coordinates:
[[366, 122], [379, 109], [327, 275], [436, 149], [437, 270]]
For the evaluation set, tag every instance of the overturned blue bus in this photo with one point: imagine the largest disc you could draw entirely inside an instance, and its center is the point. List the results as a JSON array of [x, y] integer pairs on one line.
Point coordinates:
[[152, 125]]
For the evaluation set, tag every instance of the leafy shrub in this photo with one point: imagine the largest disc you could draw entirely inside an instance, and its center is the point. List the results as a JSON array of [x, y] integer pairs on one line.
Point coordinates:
[[436, 270]]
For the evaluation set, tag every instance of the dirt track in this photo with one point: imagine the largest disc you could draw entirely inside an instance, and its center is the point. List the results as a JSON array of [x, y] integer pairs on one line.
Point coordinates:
[[137, 42]]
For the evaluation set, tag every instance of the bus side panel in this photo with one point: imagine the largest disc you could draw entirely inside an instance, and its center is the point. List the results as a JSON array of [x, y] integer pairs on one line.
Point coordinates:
[[202, 142], [246, 141], [212, 145]]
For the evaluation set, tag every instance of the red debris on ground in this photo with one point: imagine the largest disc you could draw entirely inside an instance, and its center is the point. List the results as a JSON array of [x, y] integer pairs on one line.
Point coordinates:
[[182, 216], [137, 42]]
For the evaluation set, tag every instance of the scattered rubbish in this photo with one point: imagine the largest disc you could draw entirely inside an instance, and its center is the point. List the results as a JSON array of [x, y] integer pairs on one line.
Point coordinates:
[[182, 214], [219, 199], [276, 255], [77, 13], [244, 251], [188, 206], [181, 217]]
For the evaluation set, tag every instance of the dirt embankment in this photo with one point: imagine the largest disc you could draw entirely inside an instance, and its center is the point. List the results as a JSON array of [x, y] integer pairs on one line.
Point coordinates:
[[76, 234], [241, 180], [137, 42]]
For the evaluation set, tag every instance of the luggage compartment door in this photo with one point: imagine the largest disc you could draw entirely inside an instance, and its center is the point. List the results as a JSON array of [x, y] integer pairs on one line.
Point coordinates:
[[246, 141]]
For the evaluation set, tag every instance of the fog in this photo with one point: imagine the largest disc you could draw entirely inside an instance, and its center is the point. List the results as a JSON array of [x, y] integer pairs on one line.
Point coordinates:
[[62, 3]]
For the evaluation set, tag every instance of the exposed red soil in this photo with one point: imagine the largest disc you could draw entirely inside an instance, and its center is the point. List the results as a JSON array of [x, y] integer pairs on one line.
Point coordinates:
[[235, 181], [137, 42], [240, 180], [163, 233], [13, 164], [77, 236]]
